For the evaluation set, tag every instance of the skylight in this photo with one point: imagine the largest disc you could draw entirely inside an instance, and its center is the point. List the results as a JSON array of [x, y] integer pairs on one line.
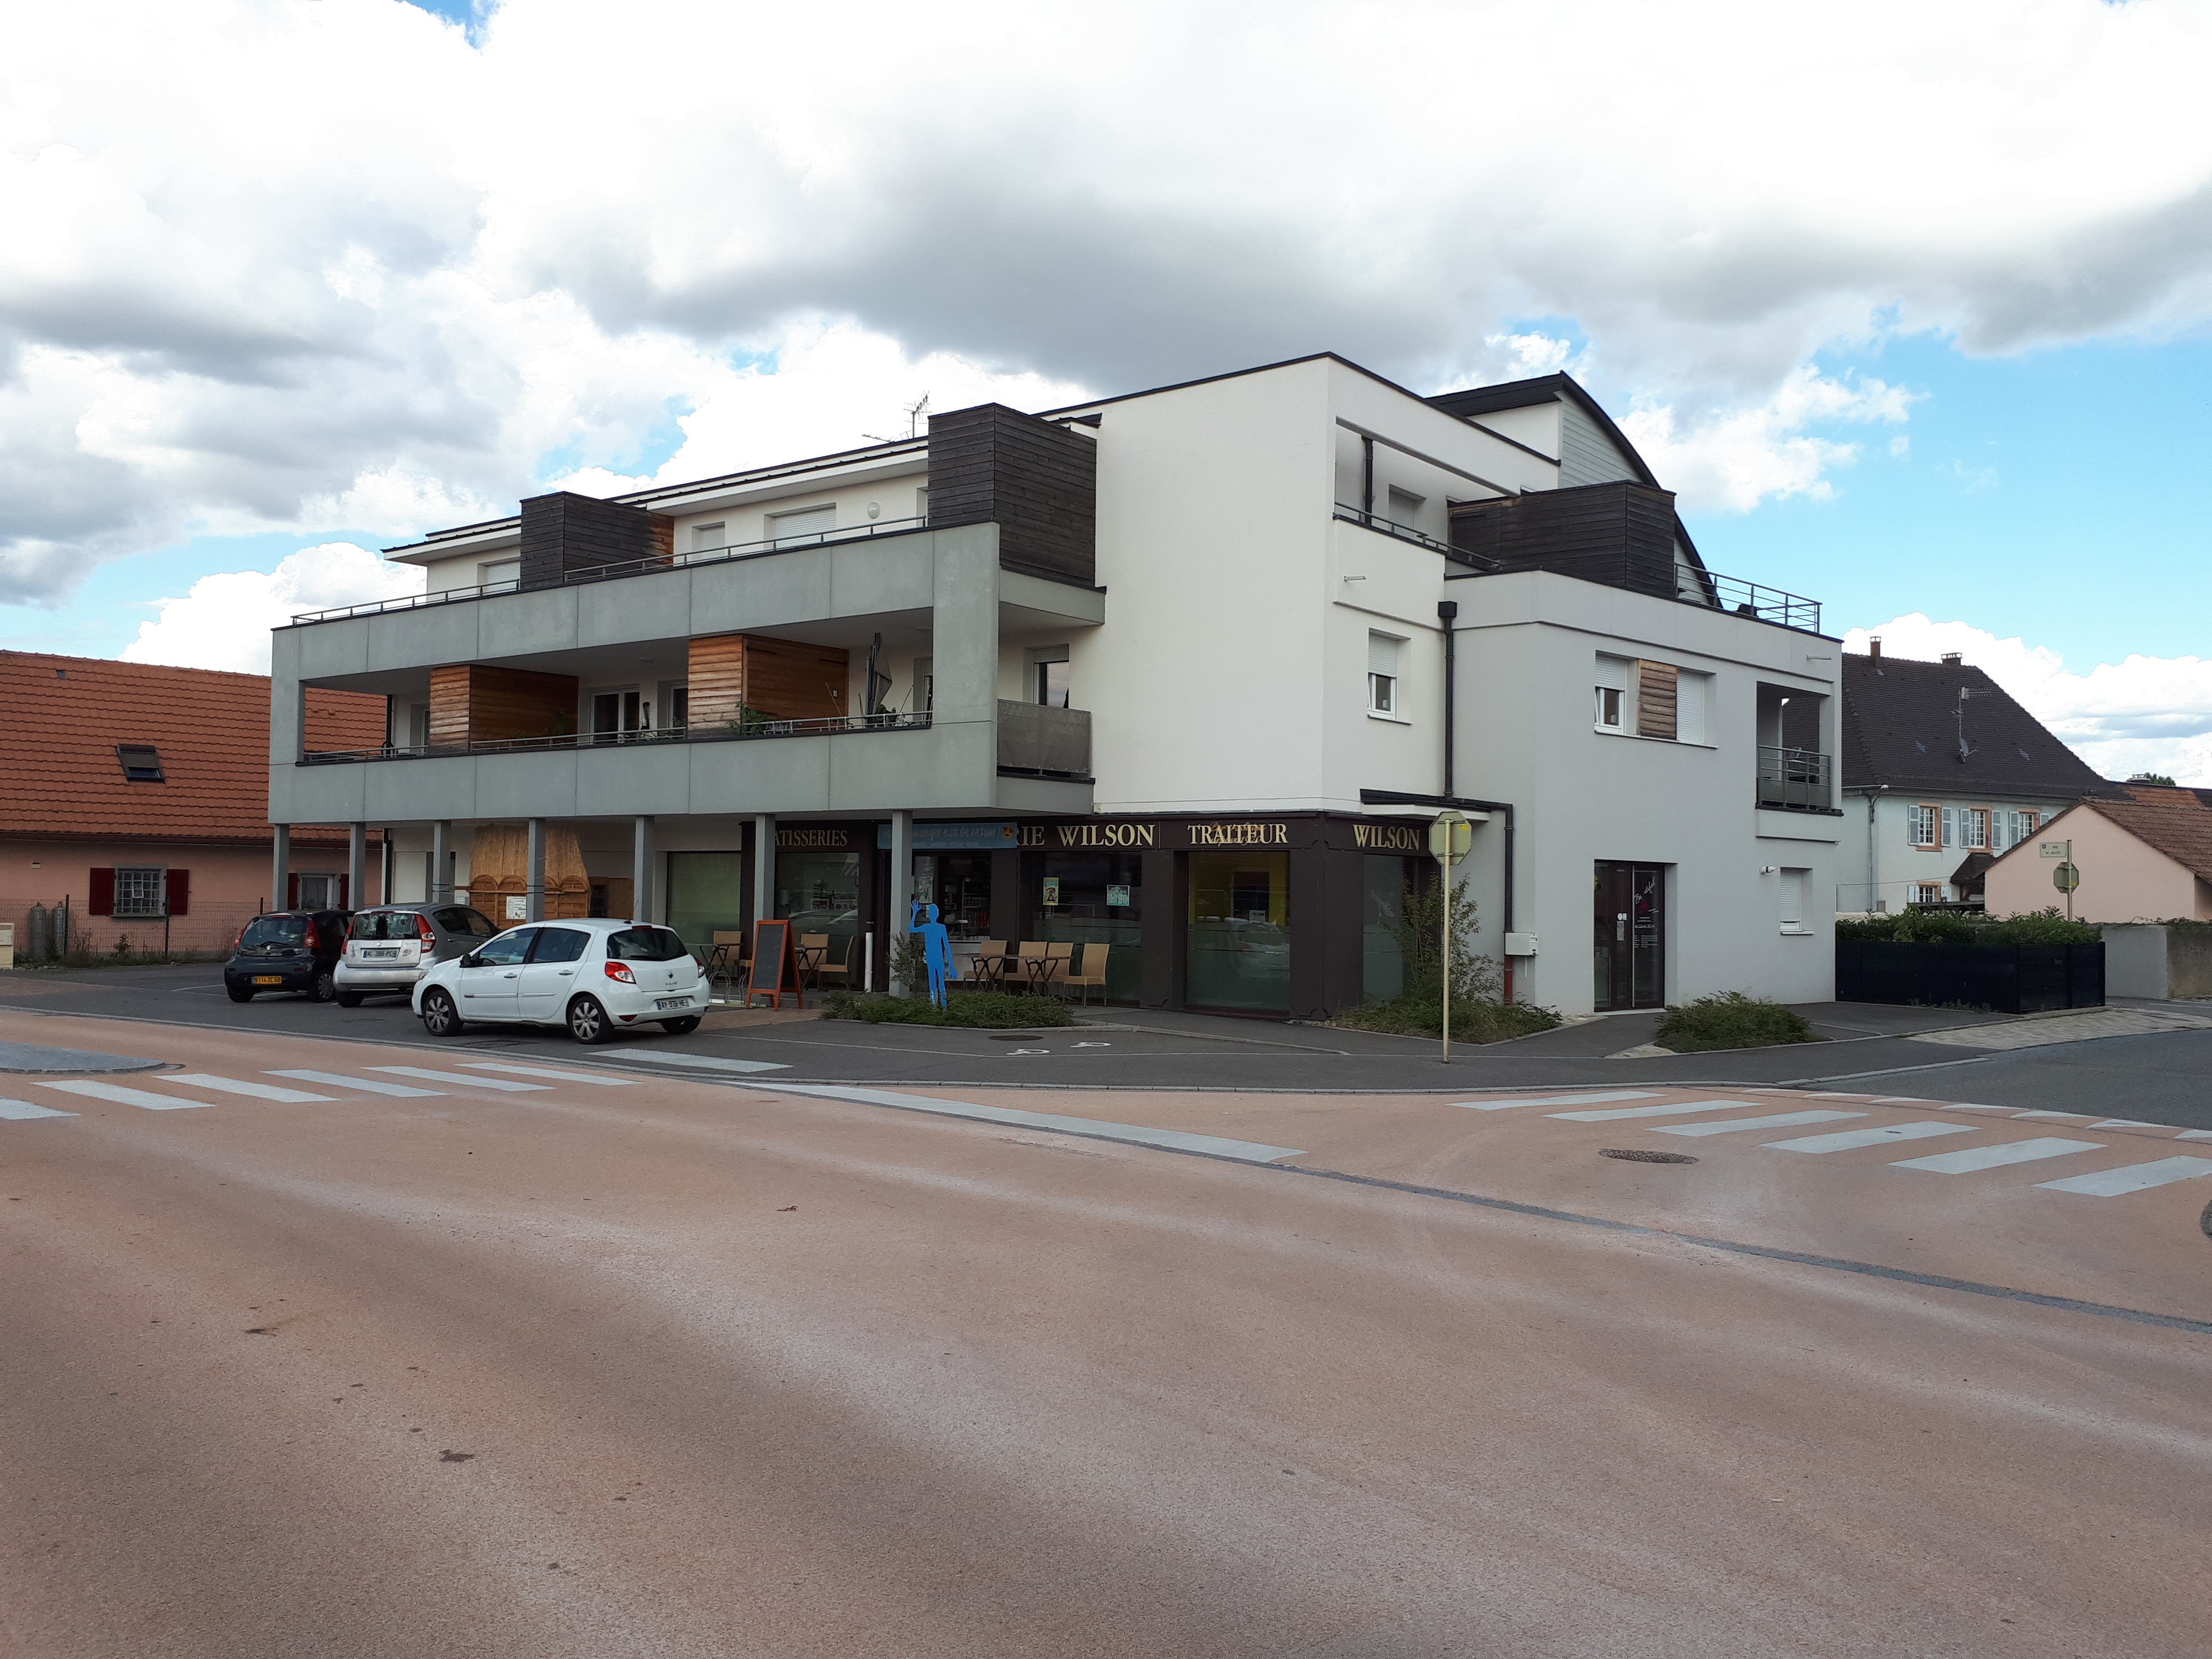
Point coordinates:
[[142, 762]]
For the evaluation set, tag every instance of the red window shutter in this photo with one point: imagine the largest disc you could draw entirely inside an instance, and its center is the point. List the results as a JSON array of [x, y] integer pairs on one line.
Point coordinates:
[[345, 893], [180, 886], [292, 891], [102, 901]]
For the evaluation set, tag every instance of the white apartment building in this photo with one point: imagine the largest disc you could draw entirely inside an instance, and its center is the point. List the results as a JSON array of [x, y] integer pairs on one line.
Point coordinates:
[[1943, 772], [1182, 673]]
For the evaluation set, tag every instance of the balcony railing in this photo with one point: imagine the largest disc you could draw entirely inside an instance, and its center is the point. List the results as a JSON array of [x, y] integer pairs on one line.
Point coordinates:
[[1795, 780], [858, 532], [1750, 599], [1346, 514], [1038, 740], [735, 732]]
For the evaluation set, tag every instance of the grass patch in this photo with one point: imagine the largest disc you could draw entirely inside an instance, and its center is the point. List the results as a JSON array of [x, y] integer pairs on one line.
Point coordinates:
[[1476, 1020], [1729, 1019], [988, 1010]]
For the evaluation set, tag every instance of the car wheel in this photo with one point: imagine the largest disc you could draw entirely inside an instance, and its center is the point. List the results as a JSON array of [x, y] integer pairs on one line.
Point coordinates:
[[326, 988], [348, 998], [439, 1018], [239, 992], [682, 1027], [588, 1021]]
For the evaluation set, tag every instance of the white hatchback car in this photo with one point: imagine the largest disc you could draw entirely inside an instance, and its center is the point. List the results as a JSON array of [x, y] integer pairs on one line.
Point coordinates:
[[595, 977]]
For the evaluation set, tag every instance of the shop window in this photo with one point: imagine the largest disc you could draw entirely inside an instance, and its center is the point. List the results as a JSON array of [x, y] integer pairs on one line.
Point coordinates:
[[820, 893], [707, 894], [1385, 882], [1383, 652], [959, 886], [1092, 899], [1239, 943]]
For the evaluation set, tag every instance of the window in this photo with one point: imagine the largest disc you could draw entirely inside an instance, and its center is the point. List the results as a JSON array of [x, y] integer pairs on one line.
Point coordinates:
[[418, 726], [138, 891], [1691, 690], [1928, 892], [1405, 506], [561, 944], [1052, 683], [460, 919], [925, 685], [614, 713], [1977, 826], [921, 505], [646, 945], [809, 524], [1612, 699], [1793, 882], [680, 707], [1383, 650], [706, 538], [2024, 825], [318, 892], [142, 762], [500, 573], [1920, 825], [507, 949]]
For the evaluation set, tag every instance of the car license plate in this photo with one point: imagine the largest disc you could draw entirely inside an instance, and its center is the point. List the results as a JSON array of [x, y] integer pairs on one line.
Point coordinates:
[[382, 955], [268, 979], [673, 1002]]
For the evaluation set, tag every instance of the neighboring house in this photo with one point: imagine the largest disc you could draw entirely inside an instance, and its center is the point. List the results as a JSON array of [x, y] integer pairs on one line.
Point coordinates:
[[1182, 673], [134, 795], [1949, 772], [2144, 854]]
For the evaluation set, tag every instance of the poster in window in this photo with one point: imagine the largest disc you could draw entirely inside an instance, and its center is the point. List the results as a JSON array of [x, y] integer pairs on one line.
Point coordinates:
[[1117, 897], [1051, 891]]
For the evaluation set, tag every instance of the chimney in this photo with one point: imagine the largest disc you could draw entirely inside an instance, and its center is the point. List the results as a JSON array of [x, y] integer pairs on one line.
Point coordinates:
[[1952, 659], [1874, 647]]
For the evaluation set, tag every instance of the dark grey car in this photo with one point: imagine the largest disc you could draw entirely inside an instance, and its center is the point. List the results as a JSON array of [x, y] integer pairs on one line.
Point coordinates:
[[389, 947]]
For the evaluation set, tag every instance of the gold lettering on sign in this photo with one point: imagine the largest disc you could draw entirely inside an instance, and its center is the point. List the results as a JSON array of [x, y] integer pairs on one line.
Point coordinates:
[[789, 840], [1033, 835], [1389, 837], [1107, 835], [1240, 835]]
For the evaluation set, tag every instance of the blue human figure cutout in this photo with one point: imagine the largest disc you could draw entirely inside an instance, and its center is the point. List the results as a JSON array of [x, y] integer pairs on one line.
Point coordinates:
[[936, 946]]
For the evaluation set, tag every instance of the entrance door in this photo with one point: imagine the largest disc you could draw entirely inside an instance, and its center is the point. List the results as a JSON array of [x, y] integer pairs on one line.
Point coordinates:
[[1628, 935]]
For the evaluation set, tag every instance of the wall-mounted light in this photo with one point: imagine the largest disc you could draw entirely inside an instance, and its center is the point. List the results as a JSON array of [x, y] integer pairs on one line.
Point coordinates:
[[873, 509]]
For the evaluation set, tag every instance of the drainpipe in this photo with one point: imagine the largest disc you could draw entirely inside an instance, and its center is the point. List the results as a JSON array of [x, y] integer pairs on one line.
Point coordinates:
[[1366, 479], [1873, 795], [1447, 613]]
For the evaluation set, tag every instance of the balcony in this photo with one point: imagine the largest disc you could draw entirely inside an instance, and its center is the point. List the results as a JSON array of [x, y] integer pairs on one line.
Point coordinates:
[[1037, 740], [1795, 780], [736, 732]]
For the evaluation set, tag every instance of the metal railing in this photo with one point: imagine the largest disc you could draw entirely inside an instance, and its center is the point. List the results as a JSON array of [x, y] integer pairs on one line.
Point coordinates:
[[1405, 533], [648, 566], [734, 732], [1795, 780], [1750, 599]]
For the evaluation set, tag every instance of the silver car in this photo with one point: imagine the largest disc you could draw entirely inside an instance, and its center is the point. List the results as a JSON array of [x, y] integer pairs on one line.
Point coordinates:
[[393, 946]]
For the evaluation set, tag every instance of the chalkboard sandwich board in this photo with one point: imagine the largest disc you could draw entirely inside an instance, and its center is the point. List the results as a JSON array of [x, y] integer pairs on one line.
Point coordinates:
[[775, 965]]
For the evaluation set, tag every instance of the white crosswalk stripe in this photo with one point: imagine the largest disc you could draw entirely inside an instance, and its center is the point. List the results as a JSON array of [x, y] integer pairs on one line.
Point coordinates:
[[2195, 1134], [366, 1084], [2075, 1117], [121, 1096], [1968, 1159], [701, 1062], [1729, 1124], [229, 1085], [463, 1078], [547, 1070], [2131, 1177], [26, 1109], [1672, 1109], [2126, 1123], [1847, 1139], [1556, 1100]]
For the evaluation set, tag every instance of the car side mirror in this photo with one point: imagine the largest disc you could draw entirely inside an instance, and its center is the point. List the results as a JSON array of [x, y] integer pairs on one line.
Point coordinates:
[[473, 960]]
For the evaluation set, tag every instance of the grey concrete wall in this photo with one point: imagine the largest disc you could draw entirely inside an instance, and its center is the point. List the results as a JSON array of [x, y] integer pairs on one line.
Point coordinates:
[[2149, 959]]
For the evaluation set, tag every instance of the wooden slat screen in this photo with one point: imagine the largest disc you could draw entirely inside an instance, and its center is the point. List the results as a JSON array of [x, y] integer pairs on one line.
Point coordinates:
[[1656, 699], [449, 704], [718, 679]]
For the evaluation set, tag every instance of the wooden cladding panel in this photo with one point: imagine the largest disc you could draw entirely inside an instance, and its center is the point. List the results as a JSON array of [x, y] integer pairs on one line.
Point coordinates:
[[565, 535], [1036, 481], [1657, 702], [449, 704], [782, 679], [471, 702], [1620, 534]]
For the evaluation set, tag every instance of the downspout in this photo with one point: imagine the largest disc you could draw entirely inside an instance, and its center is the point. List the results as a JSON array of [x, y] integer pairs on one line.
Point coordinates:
[[1366, 479], [1447, 613], [1873, 796]]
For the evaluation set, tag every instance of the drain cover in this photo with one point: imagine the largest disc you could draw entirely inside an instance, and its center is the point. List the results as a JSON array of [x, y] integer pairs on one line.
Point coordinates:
[[1638, 1155]]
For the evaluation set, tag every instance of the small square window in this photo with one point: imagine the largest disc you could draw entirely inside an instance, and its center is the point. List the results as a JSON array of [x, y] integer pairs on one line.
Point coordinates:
[[1383, 693], [139, 892], [142, 762], [1609, 707]]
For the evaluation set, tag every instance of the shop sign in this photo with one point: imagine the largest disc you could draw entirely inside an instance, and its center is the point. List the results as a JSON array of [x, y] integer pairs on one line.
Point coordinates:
[[1240, 835], [1089, 836], [993, 837], [836, 840], [1391, 837]]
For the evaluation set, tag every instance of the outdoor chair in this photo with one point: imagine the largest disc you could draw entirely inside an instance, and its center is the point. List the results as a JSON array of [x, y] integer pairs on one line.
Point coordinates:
[[840, 973], [725, 956], [987, 967], [1060, 958], [1093, 972], [813, 952], [1029, 962]]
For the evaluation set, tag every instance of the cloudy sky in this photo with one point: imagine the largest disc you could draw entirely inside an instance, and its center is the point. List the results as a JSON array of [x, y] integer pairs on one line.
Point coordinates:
[[1909, 302]]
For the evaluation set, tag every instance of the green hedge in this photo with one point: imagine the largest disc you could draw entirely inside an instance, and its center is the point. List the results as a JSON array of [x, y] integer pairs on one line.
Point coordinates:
[[990, 1011], [1730, 1019], [1476, 1020], [1948, 927]]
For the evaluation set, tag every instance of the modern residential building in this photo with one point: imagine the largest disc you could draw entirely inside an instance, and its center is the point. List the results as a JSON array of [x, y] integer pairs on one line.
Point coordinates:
[[1183, 672], [1945, 772], [130, 798], [2143, 853]]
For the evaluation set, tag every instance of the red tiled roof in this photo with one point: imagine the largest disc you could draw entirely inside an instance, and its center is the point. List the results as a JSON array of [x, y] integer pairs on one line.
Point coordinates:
[[2178, 822], [59, 774]]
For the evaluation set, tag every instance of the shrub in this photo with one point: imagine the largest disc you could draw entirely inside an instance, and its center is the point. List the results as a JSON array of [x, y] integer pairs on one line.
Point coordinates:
[[990, 1011], [2046, 926], [1476, 1020], [1729, 1019]]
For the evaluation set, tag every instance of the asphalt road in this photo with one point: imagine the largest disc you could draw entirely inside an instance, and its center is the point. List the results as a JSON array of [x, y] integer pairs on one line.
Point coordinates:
[[2166, 1077], [612, 1363]]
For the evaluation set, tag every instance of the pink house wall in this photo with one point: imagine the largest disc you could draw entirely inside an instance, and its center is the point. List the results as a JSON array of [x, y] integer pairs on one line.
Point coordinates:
[[228, 883], [2122, 880]]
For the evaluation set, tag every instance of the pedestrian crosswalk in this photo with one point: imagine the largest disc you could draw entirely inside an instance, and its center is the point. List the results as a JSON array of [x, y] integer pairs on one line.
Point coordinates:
[[1749, 1120]]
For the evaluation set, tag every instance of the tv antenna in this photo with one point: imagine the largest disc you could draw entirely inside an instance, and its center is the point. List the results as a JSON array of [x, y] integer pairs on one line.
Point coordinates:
[[915, 411], [1958, 718]]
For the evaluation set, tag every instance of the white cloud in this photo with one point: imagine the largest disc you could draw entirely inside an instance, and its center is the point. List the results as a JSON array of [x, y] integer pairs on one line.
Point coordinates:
[[224, 621], [331, 267], [2143, 715]]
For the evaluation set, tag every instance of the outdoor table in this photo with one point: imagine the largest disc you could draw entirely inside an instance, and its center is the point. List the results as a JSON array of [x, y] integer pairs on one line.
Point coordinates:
[[1039, 969], [810, 959]]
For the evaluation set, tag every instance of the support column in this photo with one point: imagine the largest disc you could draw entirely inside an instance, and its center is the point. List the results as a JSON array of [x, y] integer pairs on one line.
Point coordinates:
[[280, 868], [440, 888], [763, 870], [385, 879], [534, 901], [356, 865], [900, 895], [640, 869]]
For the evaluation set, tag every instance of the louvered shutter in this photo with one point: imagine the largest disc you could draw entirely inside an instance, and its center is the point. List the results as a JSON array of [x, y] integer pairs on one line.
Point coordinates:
[[292, 890], [1655, 700], [1949, 827], [178, 883], [101, 901]]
